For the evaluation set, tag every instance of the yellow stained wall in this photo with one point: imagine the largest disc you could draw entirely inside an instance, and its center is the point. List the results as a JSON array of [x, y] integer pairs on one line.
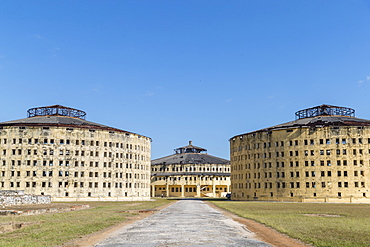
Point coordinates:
[[75, 163], [300, 164], [202, 185]]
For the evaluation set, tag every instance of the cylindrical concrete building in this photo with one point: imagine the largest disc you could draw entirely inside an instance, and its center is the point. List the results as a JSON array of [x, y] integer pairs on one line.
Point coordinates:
[[322, 156], [56, 152]]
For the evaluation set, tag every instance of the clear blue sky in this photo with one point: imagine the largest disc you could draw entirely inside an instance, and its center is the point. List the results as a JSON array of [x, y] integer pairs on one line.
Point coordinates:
[[185, 70]]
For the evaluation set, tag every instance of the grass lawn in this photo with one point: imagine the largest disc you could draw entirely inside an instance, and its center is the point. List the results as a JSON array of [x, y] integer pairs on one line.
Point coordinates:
[[53, 229], [321, 228]]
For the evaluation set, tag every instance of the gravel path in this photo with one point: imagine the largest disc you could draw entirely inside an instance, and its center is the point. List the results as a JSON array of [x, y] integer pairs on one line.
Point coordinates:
[[184, 223]]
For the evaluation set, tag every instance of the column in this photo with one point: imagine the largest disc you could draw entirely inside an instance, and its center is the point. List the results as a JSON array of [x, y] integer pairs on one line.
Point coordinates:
[[198, 190], [153, 190], [182, 190], [213, 187]]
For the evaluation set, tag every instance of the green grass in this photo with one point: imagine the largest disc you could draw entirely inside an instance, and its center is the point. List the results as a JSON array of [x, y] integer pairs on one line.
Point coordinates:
[[351, 229], [58, 228]]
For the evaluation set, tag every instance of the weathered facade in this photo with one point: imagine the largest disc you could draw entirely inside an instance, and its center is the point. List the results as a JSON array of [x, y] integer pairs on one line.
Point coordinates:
[[322, 156], [56, 152], [190, 172]]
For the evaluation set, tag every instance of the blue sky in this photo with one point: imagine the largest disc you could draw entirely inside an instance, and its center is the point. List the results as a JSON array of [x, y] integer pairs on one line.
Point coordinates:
[[185, 70]]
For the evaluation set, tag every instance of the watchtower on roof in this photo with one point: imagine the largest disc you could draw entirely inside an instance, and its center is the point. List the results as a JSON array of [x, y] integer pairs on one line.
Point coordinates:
[[325, 110], [56, 110], [190, 149]]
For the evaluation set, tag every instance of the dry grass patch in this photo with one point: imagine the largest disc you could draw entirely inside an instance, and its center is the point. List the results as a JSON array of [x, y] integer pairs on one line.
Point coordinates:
[[351, 228], [54, 229]]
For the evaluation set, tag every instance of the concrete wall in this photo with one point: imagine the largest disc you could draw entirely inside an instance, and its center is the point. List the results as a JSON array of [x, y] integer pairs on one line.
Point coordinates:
[[294, 163], [70, 163], [13, 198]]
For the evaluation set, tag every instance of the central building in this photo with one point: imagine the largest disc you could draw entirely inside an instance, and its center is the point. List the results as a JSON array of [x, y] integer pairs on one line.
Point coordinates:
[[190, 172]]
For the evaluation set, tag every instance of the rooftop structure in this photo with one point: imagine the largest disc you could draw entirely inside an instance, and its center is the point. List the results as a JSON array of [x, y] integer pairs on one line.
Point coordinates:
[[56, 110], [325, 110], [189, 155], [190, 172]]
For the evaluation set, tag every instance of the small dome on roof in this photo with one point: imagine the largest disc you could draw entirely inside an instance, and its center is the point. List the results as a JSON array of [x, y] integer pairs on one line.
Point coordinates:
[[190, 149]]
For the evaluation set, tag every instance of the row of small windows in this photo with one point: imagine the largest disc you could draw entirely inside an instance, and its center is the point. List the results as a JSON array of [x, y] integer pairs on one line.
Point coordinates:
[[192, 178], [297, 174], [292, 194], [187, 189], [296, 153], [192, 169], [76, 164], [76, 174], [282, 185], [296, 164], [75, 184], [76, 153], [337, 141], [68, 142]]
